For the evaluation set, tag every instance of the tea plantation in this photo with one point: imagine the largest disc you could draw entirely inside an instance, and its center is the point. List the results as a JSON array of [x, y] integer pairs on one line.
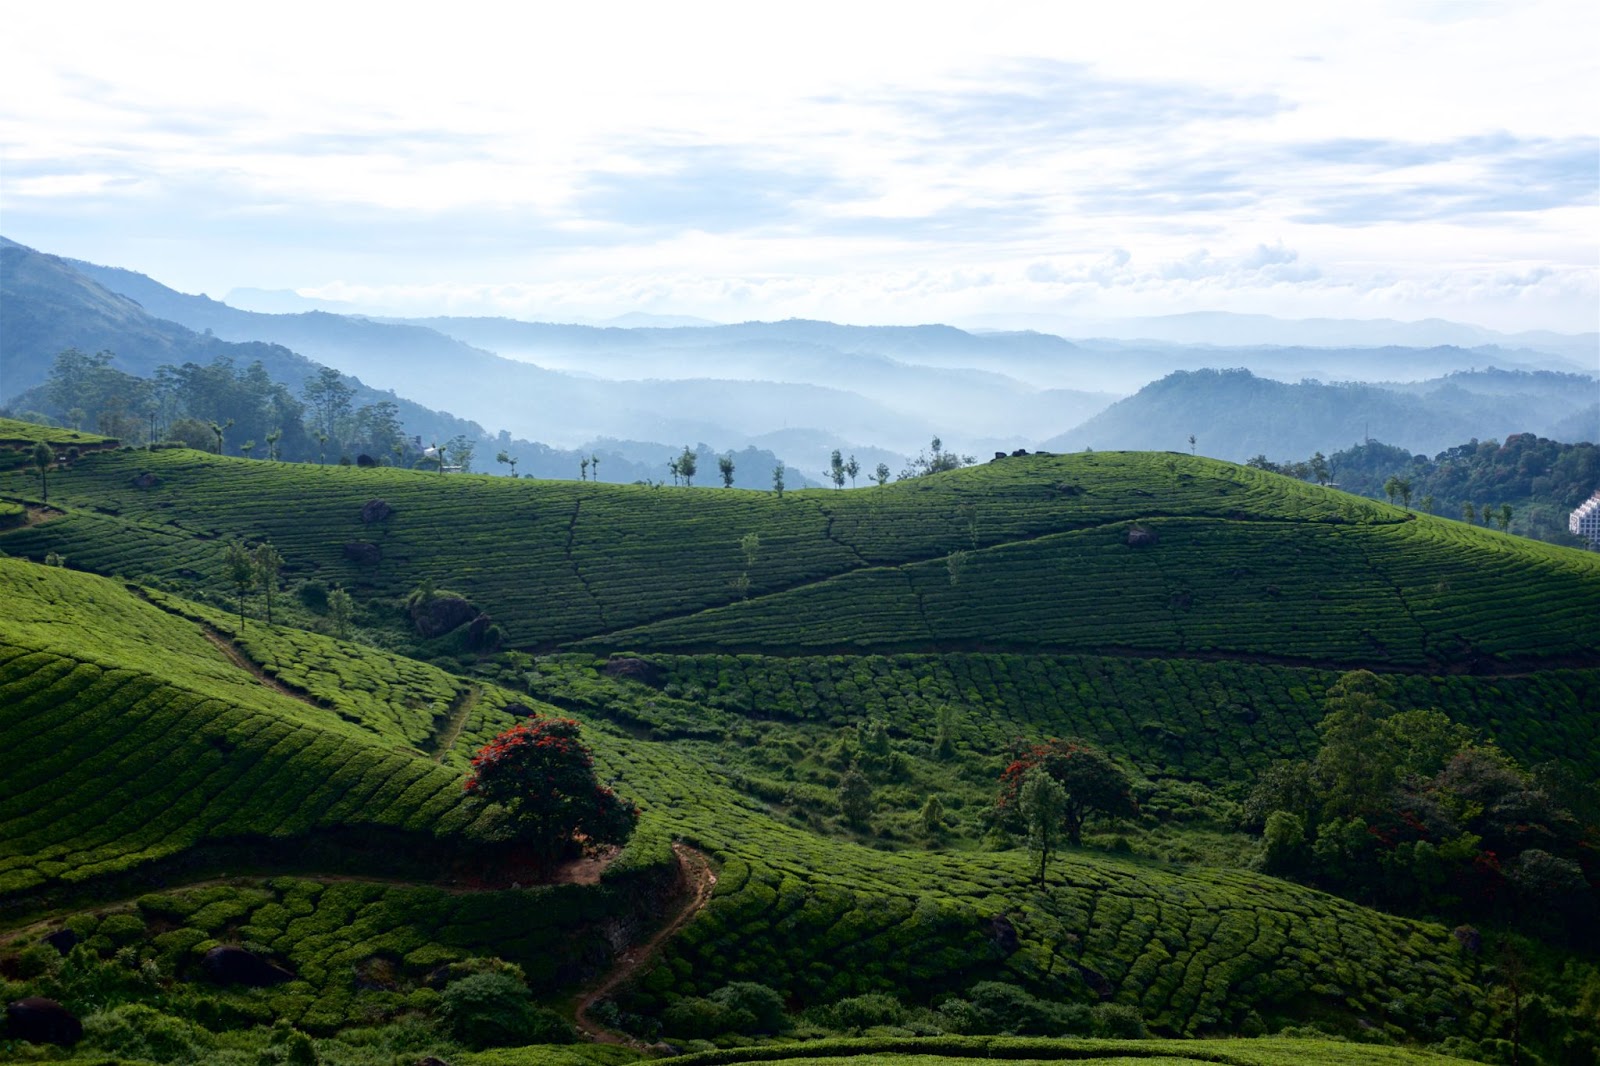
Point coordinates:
[[178, 778]]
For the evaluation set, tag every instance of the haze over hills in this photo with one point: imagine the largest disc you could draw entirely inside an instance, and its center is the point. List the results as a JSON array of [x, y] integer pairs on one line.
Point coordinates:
[[1236, 415], [801, 388]]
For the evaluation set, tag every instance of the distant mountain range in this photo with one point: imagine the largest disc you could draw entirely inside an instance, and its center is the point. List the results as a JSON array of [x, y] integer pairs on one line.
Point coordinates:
[[51, 305], [1236, 415], [1226, 329], [800, 388]]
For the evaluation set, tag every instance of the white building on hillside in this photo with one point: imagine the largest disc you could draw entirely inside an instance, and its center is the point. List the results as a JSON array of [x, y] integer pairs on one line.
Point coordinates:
[[1585, 521]]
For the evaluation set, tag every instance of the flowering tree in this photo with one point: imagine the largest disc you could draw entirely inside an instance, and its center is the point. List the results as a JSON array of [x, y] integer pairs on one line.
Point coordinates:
[[542, 774], [1092, 784]]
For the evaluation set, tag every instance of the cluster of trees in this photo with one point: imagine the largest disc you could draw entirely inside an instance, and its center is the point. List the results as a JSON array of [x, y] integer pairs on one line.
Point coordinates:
[[1545, 478], [1407, 809], [224, 408], [1057, 787]]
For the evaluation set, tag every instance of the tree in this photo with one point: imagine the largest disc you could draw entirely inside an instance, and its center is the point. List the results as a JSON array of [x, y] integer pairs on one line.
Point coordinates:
[[1391, 487], [329, 399], [1319, 468], [341, 609], [594, 466], [1044, 810], [725, 468], [42, 458], [933, 816], [218, 429], [1403, 487], [777, 481], [1468, 512], [1191, 444], [543, 776], [1503, 517], [855, 797], [750, 544], [267, 563], [246, 448], [852, 468], [503, 457], [1488, 514], [835, 469], [461, 448], [881, 474], [583, 469], [1427, 503], [1094, 785], [935, 461], [688, 463], [241, 571]]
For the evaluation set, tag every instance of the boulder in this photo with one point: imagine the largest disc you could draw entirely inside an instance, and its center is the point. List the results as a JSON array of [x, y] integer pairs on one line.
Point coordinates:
[[363, 553], [441, 613], [42, 1021], [229, 965], [628, 669], [1141, 537], [375, 511], [1002, 934]]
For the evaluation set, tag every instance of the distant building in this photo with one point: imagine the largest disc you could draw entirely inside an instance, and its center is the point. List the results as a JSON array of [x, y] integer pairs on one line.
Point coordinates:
[[1585, 521]]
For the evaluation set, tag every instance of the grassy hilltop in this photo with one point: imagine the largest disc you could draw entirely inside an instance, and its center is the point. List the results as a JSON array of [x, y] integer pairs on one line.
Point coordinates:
[[1028, 553], [152, 744]]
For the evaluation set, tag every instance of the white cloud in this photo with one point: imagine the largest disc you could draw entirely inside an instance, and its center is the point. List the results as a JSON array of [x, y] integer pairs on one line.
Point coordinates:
[[905, 161]]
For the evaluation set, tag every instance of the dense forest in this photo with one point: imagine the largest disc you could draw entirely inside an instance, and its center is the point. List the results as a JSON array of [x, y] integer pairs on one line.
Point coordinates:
[[1539, 480]]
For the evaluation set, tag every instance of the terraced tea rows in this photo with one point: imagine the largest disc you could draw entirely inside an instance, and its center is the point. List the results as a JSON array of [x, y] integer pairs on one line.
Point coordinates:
[[825, 918], [969, 1051], [1209, 721], [1318, 592], [152, 742], [1258, 563]]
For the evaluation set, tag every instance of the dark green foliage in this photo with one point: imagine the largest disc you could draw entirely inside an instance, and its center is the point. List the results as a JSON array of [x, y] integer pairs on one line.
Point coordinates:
[[489, 1010]]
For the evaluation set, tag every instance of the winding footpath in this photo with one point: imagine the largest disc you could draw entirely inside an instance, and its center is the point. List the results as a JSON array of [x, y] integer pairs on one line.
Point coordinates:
[[698, 880]]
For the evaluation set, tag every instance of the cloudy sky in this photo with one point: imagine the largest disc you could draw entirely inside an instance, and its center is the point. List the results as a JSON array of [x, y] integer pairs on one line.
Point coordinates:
[[860, 161]]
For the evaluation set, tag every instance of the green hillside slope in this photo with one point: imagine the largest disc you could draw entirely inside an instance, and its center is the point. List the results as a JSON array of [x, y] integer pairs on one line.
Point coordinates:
[[129, 738], [1025, 553]]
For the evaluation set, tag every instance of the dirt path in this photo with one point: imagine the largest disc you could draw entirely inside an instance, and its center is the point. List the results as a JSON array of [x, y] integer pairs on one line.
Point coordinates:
[[250, 666], [460, 711], [699, 879]]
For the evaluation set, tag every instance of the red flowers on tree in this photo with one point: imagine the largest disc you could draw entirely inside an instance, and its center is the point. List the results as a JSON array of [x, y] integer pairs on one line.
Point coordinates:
[[1092, 782], [542, 774]]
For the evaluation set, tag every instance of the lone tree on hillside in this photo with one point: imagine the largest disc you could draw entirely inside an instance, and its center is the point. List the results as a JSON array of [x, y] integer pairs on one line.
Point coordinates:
[[852, 468], [1094, 785], [42, 458], [1044, 806], [543, 775], [836, 469], [241, 571], [688, 463], [267, 562], [725, 468]]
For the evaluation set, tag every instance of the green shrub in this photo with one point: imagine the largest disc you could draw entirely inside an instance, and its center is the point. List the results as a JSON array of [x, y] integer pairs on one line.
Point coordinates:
[[863, 1012], [1117, 1020], [139, 1031], [490, 1010], [763, 1006]]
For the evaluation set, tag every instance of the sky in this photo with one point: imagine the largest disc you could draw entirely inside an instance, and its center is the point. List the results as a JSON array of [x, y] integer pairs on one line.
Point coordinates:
[[862, 162]]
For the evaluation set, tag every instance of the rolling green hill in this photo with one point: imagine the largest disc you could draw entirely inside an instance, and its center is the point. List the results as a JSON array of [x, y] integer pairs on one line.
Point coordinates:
[[1025, 553], [152, 736]]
